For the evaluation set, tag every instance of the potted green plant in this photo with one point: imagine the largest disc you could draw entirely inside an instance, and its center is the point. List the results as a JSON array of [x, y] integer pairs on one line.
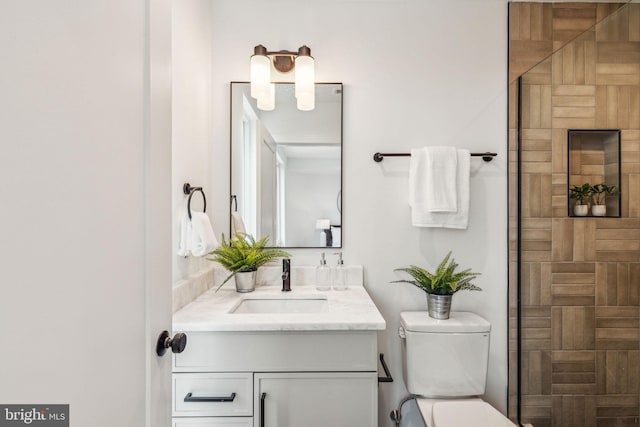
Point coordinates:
[[242, 255], [599, 193], [581, 195], [440, 285]]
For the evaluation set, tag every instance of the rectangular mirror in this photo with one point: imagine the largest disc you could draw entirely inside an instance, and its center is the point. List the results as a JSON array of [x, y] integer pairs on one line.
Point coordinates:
[[286, 167]]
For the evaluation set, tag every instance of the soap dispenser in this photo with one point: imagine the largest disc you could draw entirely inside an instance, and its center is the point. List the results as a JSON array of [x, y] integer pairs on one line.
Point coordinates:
[[339, 279], [323, 275]]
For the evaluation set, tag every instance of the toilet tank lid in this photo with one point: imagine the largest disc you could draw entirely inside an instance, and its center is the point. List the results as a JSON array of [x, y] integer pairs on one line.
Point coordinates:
[[458, 321]]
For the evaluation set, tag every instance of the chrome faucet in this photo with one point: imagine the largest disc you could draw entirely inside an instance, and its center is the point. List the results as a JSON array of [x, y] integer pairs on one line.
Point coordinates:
[[286, 275]]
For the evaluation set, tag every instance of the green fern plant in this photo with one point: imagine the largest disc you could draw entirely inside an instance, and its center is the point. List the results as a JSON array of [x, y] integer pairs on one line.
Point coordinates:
[[445, 280], [243, 253]]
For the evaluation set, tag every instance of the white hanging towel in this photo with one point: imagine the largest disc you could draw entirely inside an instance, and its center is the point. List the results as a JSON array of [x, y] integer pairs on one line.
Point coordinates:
[[202, 239], [433, 187], [185, 236], [420, 180], [237, 224]]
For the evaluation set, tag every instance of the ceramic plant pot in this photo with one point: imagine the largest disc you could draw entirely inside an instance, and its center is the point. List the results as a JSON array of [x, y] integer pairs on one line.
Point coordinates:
[[245, 281], [439, 306], [599, 210], [580, 210]]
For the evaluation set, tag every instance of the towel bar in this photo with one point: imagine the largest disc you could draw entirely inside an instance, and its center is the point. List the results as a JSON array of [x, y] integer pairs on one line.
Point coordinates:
[[188, 189], [378, 157]]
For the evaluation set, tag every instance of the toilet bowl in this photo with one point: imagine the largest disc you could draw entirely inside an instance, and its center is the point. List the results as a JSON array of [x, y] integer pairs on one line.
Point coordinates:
[[445, 366], [472, 412]]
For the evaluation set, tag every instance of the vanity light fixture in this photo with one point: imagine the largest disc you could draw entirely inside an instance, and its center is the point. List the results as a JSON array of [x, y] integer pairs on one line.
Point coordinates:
[[267, 67]]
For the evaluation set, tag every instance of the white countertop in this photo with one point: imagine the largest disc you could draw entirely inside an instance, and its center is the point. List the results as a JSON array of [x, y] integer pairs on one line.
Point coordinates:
[[347, 310]]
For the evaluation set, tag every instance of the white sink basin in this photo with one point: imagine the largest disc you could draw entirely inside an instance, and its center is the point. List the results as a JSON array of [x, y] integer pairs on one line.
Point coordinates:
[[281, 305]]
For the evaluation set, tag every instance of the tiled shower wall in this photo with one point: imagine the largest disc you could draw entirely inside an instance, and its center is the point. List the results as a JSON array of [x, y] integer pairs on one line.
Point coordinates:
[[579, 277]]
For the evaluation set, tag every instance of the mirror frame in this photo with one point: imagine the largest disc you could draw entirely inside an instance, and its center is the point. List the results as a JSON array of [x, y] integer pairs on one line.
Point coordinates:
[[339, 200]]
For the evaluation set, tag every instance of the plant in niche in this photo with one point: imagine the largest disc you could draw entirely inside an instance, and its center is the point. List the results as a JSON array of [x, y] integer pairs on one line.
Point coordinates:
[[601, 191], [580, 193], [445, 280], [243, 253]]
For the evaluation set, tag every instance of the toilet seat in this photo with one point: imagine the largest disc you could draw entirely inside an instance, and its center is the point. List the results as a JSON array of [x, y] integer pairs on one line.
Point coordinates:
[[461, 413]]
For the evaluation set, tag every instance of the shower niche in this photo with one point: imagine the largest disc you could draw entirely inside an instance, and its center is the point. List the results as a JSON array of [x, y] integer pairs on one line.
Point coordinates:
[[594, 162]]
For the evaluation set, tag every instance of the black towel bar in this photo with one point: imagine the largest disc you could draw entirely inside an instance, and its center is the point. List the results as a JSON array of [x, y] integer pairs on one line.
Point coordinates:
[[188, 189], [378, 157]]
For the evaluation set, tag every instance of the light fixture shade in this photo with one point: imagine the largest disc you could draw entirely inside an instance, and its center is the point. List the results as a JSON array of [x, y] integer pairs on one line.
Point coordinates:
[[268, 101], [260, 75], [306, 102], [305, 80]]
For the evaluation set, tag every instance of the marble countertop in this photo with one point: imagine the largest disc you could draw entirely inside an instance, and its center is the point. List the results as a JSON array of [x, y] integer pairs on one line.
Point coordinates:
[[348, 310]]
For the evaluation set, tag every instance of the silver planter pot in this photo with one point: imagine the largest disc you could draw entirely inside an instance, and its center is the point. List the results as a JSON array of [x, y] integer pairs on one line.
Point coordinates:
[[439, 306], [245, 281]]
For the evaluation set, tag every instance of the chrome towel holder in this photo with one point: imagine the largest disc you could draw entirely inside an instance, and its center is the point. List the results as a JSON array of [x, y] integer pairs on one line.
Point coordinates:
[[188, 189]]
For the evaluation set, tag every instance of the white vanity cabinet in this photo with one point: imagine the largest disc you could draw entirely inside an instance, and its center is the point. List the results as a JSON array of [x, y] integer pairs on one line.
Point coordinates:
[[277, 379], [316, 399]]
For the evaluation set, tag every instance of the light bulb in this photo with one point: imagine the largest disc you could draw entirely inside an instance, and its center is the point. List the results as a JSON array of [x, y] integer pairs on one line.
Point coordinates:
[[260, 73], [268, 101], [306, 102], [305, 79]]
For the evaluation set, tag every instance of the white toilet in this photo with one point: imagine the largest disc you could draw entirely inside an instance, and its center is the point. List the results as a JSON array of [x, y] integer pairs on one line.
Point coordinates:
[[445, 362]]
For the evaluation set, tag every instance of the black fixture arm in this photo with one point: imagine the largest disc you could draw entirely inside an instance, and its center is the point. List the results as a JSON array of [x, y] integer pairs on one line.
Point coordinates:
[[378, 157], [188, 189]]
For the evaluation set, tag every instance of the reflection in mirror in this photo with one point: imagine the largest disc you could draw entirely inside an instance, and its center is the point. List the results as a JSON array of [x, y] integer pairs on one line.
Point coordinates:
[[286, 167]]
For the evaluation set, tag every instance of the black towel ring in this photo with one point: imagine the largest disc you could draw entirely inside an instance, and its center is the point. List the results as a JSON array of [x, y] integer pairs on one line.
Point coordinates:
[[188, 189]]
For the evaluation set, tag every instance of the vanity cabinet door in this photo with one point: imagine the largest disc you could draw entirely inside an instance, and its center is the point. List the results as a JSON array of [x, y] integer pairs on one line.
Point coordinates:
[[336, 399]]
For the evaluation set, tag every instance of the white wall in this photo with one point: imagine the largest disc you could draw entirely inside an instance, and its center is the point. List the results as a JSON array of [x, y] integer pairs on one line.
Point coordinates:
[[416, 72], [192, 116]]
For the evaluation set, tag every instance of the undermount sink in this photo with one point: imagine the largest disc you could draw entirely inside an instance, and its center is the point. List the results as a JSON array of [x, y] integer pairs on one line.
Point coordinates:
[[281, 305]]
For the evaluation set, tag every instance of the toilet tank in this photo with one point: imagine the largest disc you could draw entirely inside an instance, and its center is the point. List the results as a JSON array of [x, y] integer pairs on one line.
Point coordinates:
[[444, 358]]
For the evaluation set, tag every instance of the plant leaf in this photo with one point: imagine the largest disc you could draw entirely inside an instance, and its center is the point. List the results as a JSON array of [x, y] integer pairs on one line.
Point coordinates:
[[243, 253], [445, 280]]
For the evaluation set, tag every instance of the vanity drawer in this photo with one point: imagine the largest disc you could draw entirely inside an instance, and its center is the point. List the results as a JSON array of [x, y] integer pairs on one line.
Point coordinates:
[[213, 394], [280, 351], [213, 422]]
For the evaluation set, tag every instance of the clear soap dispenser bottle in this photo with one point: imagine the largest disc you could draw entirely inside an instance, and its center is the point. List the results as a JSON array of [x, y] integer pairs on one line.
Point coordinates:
[[339, 279], [323, 275]]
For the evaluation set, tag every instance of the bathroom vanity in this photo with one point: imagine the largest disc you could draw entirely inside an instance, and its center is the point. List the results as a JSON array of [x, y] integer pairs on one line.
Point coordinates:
[[278, 359]]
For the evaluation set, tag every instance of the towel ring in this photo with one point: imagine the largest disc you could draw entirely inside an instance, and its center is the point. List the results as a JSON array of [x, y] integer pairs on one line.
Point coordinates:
[[188, 189]]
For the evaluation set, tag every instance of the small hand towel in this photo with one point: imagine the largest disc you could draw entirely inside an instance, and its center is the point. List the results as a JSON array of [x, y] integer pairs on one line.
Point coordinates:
[[432, 179], [237, 224], [203, 240], [185, 236], [420, 217]]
